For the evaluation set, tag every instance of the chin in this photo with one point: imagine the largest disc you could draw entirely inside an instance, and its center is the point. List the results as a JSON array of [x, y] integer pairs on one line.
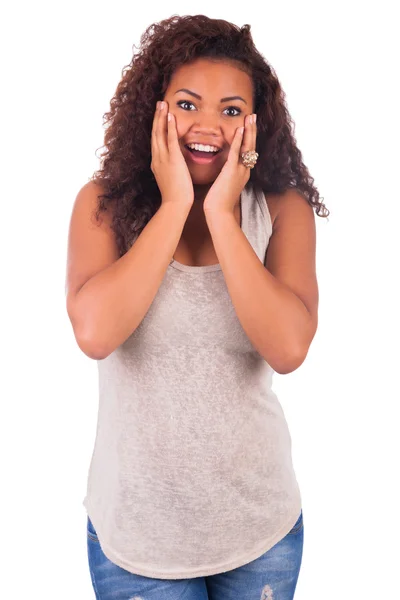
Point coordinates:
[[204, 178]]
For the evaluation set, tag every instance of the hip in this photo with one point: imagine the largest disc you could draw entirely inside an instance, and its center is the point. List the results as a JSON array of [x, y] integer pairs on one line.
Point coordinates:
[[272, 575]]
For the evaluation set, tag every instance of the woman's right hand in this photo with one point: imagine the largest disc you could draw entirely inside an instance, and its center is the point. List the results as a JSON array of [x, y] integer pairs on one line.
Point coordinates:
[[167, 161]]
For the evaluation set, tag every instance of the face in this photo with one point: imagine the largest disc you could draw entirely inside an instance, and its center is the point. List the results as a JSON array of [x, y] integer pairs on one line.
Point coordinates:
[[203, 116]]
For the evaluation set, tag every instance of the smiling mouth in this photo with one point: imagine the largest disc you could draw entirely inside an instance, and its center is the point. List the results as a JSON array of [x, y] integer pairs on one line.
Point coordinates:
[[200, 157]]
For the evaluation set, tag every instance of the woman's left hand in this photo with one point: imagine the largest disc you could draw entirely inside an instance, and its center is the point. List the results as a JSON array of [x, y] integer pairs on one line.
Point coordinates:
[[224, 194]]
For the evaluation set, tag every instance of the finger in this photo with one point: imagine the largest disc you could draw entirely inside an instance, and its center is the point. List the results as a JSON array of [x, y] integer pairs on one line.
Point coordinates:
[[236, 146], [254, 133], [161, 132], [173, 143], [154, 142], [248, 138]]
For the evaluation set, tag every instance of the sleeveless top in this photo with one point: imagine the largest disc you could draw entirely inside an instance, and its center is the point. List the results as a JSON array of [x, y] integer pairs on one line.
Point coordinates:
[[191, 472]]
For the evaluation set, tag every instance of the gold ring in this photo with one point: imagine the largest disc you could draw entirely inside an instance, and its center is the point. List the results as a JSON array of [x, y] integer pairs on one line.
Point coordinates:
[[249, 158]]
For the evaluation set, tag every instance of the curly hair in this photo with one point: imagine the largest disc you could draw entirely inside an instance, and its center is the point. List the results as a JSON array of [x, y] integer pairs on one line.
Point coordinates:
[[125, 176]]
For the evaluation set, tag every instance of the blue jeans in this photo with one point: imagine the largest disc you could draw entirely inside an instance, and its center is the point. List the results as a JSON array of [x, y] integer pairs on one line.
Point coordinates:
[[272, 576]]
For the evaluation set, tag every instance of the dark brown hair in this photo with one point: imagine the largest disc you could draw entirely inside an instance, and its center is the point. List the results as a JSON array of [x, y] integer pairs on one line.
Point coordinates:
[[125, 176]]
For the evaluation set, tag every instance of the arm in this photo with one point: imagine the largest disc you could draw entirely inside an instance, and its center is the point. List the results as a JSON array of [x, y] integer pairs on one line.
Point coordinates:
[[277, 304], [107, 296]]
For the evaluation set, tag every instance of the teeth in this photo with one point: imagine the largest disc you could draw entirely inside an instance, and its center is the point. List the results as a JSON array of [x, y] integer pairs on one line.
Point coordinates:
[[203, 148]]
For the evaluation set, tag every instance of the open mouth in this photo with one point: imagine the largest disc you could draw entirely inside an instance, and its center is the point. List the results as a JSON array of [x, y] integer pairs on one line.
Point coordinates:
[[200, 157]]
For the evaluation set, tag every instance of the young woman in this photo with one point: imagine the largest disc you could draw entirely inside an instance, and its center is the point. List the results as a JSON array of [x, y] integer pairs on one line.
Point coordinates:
[[198, 283]]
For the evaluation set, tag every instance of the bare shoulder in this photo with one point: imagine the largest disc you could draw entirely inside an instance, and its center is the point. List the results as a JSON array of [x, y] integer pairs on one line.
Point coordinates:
[[91, 242], [288, 200], [291, 253], [272, 201], [88, 198]]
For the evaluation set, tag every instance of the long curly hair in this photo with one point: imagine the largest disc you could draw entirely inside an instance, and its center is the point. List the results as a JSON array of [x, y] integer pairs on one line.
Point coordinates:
[[127, 182]]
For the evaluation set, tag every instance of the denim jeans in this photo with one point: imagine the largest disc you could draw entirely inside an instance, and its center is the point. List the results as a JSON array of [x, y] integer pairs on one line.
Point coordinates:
[[272, 576]]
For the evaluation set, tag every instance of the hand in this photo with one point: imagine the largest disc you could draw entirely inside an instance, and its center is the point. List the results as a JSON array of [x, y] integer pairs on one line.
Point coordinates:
[[167, 161], [224, 194]]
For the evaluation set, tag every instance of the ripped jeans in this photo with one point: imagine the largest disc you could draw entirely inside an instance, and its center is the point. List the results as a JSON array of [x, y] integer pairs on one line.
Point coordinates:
[[272, 576]]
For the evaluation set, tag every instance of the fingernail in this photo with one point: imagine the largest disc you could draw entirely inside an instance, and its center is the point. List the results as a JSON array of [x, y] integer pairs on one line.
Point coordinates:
[[255, 118], [162, 105]]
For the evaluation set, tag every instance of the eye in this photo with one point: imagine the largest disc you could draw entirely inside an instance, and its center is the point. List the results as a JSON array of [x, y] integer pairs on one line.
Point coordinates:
[[234, 108], [181, 102], [184, 102]]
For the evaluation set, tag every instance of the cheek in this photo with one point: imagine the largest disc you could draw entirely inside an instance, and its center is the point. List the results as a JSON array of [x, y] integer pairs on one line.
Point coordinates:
[[230, 135], [181, 126]]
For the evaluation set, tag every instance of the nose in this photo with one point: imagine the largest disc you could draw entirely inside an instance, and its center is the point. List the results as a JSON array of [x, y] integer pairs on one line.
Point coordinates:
[[206, 124]]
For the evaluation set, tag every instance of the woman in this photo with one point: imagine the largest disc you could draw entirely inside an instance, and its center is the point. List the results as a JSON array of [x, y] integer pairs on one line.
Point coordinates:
[[196, 286]]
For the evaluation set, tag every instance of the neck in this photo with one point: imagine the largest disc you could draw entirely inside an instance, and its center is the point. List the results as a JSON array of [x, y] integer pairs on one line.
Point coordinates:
[[201, 191]]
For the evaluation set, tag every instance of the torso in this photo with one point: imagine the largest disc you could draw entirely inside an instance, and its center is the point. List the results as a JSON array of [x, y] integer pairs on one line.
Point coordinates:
[[196, 249]]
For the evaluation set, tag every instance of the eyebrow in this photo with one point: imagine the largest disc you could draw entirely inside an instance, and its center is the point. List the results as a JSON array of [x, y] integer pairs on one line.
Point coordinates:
[[227, 99]]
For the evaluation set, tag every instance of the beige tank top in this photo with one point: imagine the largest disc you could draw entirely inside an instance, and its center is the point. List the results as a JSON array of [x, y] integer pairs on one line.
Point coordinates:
[[191, 472]]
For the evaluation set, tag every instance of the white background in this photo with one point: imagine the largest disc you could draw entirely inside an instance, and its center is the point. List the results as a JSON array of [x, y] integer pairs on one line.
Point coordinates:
[[336, 62]]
